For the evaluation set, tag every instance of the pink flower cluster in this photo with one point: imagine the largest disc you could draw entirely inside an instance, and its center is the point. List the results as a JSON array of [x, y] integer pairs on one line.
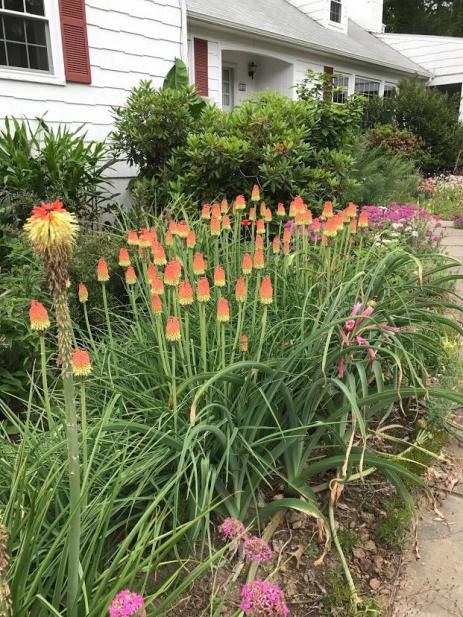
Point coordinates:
[[126, 604], [263, 598], [353, 329], [232, 528], [256, 549]]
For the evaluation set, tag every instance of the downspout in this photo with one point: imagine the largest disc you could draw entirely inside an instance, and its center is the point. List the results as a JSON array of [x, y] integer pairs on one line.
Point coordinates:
[[183, 32]]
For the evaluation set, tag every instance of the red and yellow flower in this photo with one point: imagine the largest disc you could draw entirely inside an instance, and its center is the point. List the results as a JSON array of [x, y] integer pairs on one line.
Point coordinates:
[[173, 334], [156, 304], [281, 212], [268, 215], [226, 223], [215, 211], [124, 258], [214, 226], [203, 291], [81, 365], [223, 310], [38, 315], [130, 276], [83, 293], [363, 220], [157, 286], [199, 264], [206, 212], [252, 214], [183, 229], [330, 229], [173, 272], [260, 227], [255, 195], [244, 343], [219, 277], [159, 254], [169, 238], [191, 239], [132, 238], [266, 291], [276, 245], [327, 212], [51, 227], [259, 259], [259, 242], [185, 293], [102, 272], [241, 291], [240, 203], [224, 207], [246, 264]]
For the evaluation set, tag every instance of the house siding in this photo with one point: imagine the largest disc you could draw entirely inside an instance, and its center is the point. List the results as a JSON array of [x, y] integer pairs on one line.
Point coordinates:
[[128, 41]]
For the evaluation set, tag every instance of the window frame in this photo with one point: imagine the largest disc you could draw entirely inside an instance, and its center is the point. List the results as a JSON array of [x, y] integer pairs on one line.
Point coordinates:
[[338, 4], [55, 74], [346, 77], [367, 79], [231, 81]]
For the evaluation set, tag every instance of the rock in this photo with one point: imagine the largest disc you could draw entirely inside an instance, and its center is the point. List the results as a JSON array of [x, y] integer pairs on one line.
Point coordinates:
[[370, 546], [375, 584], [359, 553], [297, 525], [368, 517]]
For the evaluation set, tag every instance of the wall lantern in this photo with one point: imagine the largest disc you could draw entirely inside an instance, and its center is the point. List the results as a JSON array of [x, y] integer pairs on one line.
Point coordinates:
[[252, 67]]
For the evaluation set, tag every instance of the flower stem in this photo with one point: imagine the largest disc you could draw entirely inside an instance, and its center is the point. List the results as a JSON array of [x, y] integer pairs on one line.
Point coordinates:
[[108, 321], [46, 393], [262, 332], [87, 323], [202, 327]]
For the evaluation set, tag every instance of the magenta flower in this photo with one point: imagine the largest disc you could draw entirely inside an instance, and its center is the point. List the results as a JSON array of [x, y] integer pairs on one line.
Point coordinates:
[[361, 341], [232, 528], [357, 308], [256, 549], [349, 325], [368, 311], [263, 598], [126, 604]]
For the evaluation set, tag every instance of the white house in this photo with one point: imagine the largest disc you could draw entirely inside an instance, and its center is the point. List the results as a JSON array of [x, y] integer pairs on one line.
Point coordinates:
[[71, 60]]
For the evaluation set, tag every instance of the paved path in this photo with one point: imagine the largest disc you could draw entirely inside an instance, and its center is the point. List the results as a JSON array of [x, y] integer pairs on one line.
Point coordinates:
[[433, 585]]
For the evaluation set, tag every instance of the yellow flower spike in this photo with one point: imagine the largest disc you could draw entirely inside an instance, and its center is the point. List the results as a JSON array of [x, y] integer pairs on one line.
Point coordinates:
[[51, 227]]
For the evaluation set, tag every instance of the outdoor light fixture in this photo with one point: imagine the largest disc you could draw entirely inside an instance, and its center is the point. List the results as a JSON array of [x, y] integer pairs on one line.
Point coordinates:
[[252, 67]]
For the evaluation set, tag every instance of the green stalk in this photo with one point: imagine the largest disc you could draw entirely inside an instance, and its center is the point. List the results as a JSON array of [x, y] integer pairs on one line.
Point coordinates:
[[174, 387], [135, 311], [106, 311], [355, 600], [256, 299], [202, 328], [262, 332], [87, 323], [83, 426], [46, 393]]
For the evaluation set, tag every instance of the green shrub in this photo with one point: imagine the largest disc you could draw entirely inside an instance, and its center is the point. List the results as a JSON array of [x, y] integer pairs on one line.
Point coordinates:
[[285, 146], [382, 177], [428, 113], [20, 281], [38, 163], [397, 141]]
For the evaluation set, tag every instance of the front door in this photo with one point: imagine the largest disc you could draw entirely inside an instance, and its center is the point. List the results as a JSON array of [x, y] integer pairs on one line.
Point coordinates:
[[228, 79]]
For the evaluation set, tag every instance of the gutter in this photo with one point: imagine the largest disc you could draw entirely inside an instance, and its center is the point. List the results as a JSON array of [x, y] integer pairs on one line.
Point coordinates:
[[290, 42], [183, 32]]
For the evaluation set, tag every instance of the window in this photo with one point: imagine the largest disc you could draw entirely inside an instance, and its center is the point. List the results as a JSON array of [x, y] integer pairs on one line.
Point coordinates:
[[340, 88], [389, 91], [367, 87], [24, 35], [227, 88], [336, 11]]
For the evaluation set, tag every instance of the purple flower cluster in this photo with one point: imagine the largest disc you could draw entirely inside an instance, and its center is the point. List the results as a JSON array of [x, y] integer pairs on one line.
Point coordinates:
[[263, 598], [400, 214], [232, 528], [126, 604], [256, 549]]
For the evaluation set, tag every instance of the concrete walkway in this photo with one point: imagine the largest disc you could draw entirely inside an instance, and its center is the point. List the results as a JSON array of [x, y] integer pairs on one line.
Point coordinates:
[[432, 586]]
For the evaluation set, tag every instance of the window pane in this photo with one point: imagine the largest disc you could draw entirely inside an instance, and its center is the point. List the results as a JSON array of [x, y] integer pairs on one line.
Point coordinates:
[[35, 7], [17, 55], [366, 87], [14, 5], [340, 88], [38, 57], [14, 28], [2, 53], [335, 11], [35, 31]]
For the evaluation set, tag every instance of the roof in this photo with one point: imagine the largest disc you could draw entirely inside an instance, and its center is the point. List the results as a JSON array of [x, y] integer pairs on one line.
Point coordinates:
[[278, 19]]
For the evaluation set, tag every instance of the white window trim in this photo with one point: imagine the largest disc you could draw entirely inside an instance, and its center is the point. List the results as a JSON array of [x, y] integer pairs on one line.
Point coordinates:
[[56, 76]]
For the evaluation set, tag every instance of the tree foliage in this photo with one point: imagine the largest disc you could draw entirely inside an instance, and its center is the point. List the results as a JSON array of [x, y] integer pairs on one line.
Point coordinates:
[[435, 17]]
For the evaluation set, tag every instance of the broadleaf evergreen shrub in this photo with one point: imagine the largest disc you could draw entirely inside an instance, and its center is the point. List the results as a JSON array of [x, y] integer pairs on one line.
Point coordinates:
[[285, 146], [428, 113]]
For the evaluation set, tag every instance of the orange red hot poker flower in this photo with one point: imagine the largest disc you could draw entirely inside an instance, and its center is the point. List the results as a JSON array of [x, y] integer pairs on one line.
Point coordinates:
[[219, 277], [185, 293], [81, 365], [266, 291], [132, 238], [199, 264], [156, 304], [130, 276], [203, 291], [246, 264], [102, 272], [173, 334], [124, 258], [38, 315], [83, 293], [172, 273], [244, 343], [223, 310], [51, 227], [255, 195], [241, 290]]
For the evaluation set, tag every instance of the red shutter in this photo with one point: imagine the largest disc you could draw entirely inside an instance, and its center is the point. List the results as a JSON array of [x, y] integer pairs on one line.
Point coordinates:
[[75, 43], [328, 92], [328, 69], [201, 67]]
